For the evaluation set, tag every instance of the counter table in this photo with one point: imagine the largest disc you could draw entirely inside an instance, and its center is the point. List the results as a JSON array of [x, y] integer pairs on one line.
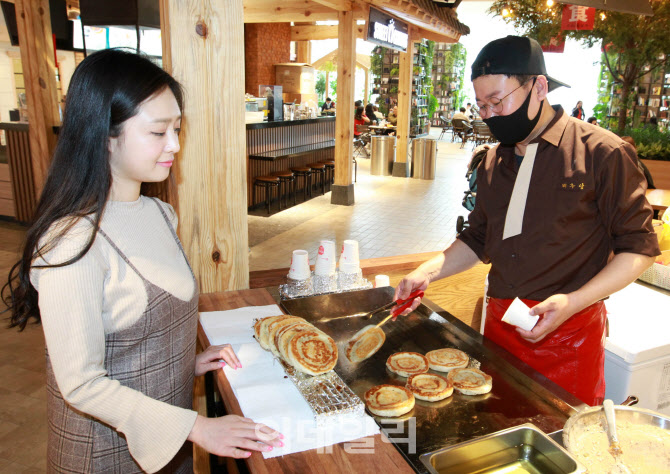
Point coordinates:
[[17, 187], [280, 146]]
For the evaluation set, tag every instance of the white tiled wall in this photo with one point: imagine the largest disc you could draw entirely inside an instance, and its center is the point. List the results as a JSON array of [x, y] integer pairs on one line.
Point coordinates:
[[7, 92]]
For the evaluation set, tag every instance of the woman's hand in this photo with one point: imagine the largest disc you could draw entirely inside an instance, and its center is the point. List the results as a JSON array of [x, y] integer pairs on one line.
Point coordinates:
[[210, 359], [233, 436], [554, 311], [417, 280]]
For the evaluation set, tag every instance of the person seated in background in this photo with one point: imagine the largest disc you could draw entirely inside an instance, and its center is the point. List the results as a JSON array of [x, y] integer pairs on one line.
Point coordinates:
[[328, 105], [370, 114], [470, 111], [642, 166], [360, 119], [393, 116], [593, 121], [461, 115], [378, 114], [358, 103]]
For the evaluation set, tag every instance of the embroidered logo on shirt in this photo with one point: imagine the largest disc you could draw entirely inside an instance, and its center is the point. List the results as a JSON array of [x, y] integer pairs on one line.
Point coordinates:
[[573, 186]]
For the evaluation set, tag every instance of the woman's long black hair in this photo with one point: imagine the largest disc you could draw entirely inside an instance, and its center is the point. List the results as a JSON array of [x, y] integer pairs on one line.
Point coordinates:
[[106, 89], [359, 113], [370, 112]]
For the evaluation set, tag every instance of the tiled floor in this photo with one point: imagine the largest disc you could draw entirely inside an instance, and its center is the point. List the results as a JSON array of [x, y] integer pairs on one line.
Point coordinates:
[[392, 216]]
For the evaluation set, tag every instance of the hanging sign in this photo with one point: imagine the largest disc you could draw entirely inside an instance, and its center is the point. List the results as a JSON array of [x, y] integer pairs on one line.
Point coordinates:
[[556, 45], [576, 17], [387, 31]]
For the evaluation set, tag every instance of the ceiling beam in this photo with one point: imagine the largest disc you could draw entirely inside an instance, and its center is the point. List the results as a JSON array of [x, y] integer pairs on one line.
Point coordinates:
[[321, 32], [272, 11], [423, 20], [339, 5]]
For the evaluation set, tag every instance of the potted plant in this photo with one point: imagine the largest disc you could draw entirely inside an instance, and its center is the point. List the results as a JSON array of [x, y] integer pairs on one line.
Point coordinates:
[[432, 108], [653, 149]]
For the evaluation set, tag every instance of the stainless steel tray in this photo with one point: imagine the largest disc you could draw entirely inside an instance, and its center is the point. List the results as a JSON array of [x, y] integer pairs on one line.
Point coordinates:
[[520, 394], [521, 449]]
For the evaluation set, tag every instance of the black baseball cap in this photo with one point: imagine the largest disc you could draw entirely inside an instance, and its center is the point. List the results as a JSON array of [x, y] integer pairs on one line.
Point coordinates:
[[513, 55]]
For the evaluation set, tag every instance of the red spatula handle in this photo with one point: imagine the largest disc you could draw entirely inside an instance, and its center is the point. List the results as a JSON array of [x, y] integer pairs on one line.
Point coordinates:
[[406, 303]]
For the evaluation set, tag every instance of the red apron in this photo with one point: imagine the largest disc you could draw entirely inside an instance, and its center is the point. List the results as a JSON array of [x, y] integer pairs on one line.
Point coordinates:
[[573, 356]]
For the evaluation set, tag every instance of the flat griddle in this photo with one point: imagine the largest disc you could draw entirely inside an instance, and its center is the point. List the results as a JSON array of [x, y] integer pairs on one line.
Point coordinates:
[[520, 394]]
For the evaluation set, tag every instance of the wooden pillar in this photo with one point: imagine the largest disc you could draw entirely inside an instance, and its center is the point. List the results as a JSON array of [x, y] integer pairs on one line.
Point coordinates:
[[207, 58], [367, 87], [37, 57], [303, 49], [328, 85], [343, 189], [401, 167]]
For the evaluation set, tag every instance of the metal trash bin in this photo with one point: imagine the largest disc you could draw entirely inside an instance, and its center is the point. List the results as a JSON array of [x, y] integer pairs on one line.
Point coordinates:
[[382, 154], [418, 154], [429, 157]]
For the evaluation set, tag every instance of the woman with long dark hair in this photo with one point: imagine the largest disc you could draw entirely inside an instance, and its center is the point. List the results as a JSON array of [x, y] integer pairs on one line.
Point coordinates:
[[103, 270], [578, 111], [360, 119], [370, 113]]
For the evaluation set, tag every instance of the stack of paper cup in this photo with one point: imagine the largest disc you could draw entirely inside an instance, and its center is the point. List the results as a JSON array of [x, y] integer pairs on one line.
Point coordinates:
[[299, 265], [382, 280], [325, 259], [299, 282], [325, 273], [349, 260]]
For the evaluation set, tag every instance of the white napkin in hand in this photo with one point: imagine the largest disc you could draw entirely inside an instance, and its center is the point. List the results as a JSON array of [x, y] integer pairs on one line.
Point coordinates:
[[518, 315]]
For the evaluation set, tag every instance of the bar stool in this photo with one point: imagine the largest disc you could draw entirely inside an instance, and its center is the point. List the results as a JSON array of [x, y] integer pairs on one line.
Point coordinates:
[[267, 183], [319, 169], [306, 174], [330, 171], [286, 186]]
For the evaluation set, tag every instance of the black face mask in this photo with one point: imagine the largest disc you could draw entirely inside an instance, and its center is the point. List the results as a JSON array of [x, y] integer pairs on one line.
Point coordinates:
[[515, 127]]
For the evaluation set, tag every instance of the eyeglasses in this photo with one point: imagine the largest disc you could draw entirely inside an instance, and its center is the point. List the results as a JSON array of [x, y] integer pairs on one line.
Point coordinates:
[[496, 105]]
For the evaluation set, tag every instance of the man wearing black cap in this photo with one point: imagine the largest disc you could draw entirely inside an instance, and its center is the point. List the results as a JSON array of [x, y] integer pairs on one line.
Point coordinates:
[[560, 214]]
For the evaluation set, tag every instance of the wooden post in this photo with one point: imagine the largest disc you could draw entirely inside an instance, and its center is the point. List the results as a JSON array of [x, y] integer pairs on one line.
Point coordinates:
[[366, 97], [328, 85], [206, 57], [401, 167], [37, 57], [343, 189], [303, 51]]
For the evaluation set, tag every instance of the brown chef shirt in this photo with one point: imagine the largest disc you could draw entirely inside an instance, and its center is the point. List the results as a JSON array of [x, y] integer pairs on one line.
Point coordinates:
[[586, 201]]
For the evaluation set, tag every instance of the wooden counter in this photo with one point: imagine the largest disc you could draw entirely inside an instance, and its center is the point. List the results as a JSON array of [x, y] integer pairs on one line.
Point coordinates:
[[272, 136], [461, 295], [385, 458]]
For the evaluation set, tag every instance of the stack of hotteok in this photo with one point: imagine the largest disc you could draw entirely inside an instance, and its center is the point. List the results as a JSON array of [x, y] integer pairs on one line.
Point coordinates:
[[297, 342]]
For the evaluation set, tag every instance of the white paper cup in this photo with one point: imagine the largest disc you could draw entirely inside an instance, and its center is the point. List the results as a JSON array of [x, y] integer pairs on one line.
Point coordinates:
[[349, 253], [517, 315], [349, 267], [325, 259], [299, 265], [382, 280]]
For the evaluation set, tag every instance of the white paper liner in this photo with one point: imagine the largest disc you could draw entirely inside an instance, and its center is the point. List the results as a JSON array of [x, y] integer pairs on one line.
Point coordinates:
[[517, 315]]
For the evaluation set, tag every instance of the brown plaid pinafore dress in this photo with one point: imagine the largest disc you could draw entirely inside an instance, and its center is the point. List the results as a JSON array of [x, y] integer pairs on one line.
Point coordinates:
[[156, 356]]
